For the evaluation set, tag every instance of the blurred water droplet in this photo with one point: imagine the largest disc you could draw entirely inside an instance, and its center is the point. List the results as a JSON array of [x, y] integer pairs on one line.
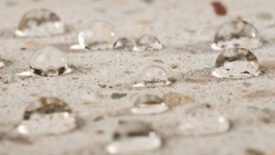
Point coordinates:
[[133, 137], [48, 115], [236, 63], [125, 43], [40, 23], [204, 125], [98, 35], [153, 76], [148, 43], [237, 34], [48, 61], [149, 104]]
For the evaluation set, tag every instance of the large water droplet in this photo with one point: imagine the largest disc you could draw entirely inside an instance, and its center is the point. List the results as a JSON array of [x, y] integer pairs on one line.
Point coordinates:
[[237, 34], [204, 125], [98, 35], [148, 43], [149, 104], [132, 137], [236, 63], [48, 115], [48, 61], [40, 23], [153, 76]]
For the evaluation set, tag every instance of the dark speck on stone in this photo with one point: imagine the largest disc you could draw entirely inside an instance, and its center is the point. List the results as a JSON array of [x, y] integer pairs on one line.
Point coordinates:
[[118, 95]]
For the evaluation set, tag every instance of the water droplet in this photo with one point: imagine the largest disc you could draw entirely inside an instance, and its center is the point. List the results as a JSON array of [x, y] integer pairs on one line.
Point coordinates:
[[98, 35], [133, 137], [40, 23], [48, 61], [153, 76], [48, 115], [237, 34], [204, 125], [236, 63], [125, 43], [148, 43], [149, 104]]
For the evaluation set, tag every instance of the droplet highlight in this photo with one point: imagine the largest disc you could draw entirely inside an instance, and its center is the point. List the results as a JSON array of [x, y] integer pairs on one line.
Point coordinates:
[[149, 104], [40, 23], [99, 35], [153, 76], [237, 34], [148, 43], [47, 116], [236, 63], [131, 137], [204, 125]]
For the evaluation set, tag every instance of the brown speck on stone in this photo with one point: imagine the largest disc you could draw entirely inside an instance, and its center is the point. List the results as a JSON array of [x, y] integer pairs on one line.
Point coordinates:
[[219, 8], [98, 118], [144, 22], [173, 99], [174, 66], [99, 132], [252, 151], [158, 60], [246, 84], [259, 94], [118, 95]]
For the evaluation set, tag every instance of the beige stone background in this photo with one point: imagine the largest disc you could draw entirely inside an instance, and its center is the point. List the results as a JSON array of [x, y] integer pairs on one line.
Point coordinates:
[[186, 28]]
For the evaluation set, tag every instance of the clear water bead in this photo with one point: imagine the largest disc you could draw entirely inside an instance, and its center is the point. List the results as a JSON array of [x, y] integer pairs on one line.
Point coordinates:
[[149, 104], [237, 34], [47, 115], [153, 76], [236, 63], [49, 61], [204, 125], [98, 35], [40, 23], [132, 137], [148, 43]]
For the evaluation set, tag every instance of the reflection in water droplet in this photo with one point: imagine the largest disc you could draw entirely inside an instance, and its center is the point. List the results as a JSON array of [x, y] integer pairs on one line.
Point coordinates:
[[133, 137], [40, 23], [124, 43], [237, 34], [148, 43], [48, 61], [2, 64], [153, 76], [236, 63], [98, 35], [48, 115], [204, 125], [149, 104]]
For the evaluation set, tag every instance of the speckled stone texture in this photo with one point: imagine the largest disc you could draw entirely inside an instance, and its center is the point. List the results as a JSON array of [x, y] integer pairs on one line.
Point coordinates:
[[186, 28]]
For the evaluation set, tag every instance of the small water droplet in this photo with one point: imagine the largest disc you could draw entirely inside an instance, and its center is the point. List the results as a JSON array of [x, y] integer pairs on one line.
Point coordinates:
[[48, 61], [47, 115], [148, 43], [125, 43], [98, 35], [153, 76], [40, 23], [236, 63], [204, 125], [133, 137], [149, 104], [237, 34]]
